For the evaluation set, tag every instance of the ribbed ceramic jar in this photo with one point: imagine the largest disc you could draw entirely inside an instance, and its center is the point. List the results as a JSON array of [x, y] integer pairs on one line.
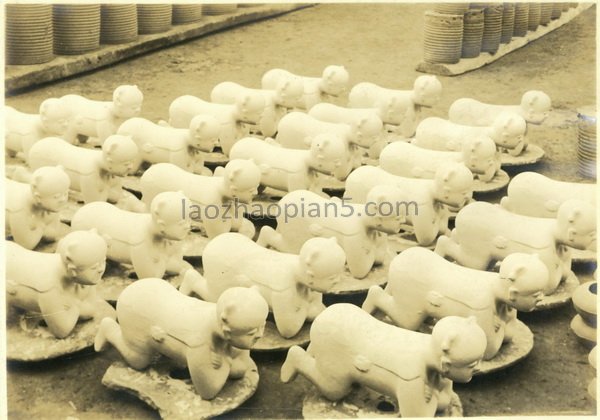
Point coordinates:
[[573, 5], [586, 146], [556, 10], [213, 9], [508, 22], [29, 34], [534, 16], [546, 13], [118, 23], [154, 18], [451, 8], [492, 28], [443, 37], [521, 19], [186, 13], [472, 33], [76, 28]]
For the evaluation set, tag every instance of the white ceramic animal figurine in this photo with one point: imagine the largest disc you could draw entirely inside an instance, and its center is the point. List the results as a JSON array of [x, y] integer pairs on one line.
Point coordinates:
[[451, 187], [246, 109], [32, 209], [212, 341], [486, 233], [100, 119], [405, 159], [151, 242], [278, 100], [421, 285], [60, 286], [290, 283], [399, 108], [533, 194], [23, 130], [97, 174], [180, 146], [358, 228], [238, 181], [534, 107], [348, 346], [507, 131], [292, 169], [333, 82]]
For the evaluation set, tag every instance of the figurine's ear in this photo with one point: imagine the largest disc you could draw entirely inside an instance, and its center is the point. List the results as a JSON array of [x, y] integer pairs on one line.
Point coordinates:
[[333, 240], [449, 175], [513, 292], [234, 173], [516, 273], [571, 233], [447, 343], [307, 140], [508, 122], [445, 364], [574, 215], [472, 320], [112, 147], [475, 145]]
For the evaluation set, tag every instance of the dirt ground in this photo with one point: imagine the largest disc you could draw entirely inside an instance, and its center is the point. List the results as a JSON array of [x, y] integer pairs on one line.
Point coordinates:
[[380, 43]]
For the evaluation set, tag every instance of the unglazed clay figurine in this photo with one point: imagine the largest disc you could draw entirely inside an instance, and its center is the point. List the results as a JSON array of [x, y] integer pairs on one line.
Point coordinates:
[[333, 82], [278, 100], [246, 109], [507, 131], [23, 130], [32, 209], [397, 107], [179, 146], [60, 286], [350, 346], [97, 174], [100, 119], [452, 186], [290, 283], [534, 107], [358, 228], [292, 169], [151, 242], [422, 284], [212, 340], [238, 181], [486, 233], [405, 159]]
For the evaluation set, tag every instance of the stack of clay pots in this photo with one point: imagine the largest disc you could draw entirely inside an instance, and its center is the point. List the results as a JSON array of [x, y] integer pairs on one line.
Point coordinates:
[[521, 19], [212, 9], [186, 13], [508, 22], [472, 33], [154, 18], [586, 148], [546, 13], [492, 28], [76, 28], [535, 10], [584, 323], [565, 6], [556, 10], [443, 37], [451, 8], [118, 23], [29, 33], [592, 387]]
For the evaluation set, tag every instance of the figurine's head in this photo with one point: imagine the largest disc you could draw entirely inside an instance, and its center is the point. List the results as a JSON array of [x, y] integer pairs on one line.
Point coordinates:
[[524, 277], [535, 105], [453, 184], [119, 154], [289, 91], [367, 129], [508, 130], [460, 344], [386, 208], [322, 261], [481, 156], [427, 90], [127, 101], [83, 254], [249, 107], [166, 209], [329, 154], [576, 224], [242, 313], [50, 187], [242, 178], [204, 132], [54, 116], [335, 80]]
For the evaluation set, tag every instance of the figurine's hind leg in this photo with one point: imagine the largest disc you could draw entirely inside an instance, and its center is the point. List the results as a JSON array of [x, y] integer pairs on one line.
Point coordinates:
[[478, 259], [269, 237], [109, 331], [378, 299], [194, 282]]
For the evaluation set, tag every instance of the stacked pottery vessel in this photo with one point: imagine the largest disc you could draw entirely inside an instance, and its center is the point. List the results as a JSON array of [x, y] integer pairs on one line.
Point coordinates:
[[29, 33], [451, 8], [76, 28], [492, 28], [535, 10], [546, 13], [584, 323], [443, 37], [521, 19], [154, 18], [556, 10], [214, 9], [508, 22], [186, 13], [118, 23], [586, 149], [472, 33]]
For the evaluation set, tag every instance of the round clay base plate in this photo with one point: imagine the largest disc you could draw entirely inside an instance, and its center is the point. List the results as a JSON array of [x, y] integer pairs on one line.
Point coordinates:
[[331, 184], [511, 352], [363, 403], [194, 244], [583, 255], [215, 158], [500, 180], [133, 183], [402, 241], [176, 398], [532, 154], [583, 331], [349, 285], [561, 296], [273, 341]]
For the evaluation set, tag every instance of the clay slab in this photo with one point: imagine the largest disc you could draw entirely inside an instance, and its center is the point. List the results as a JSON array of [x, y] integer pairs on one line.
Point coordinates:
[[273, 341]]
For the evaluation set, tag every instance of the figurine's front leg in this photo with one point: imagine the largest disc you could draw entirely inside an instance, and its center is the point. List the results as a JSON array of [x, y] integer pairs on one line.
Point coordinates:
[[360, 256], [60, 317], [115, 190], [517, 150], [240, 363], [147, 262], [445, 394], [426, 225], [175, 264], [55, 229], [93, 188], [415, 399], [381, 247], [26, 229], [244, 226], [290, 312], [208, 372]]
